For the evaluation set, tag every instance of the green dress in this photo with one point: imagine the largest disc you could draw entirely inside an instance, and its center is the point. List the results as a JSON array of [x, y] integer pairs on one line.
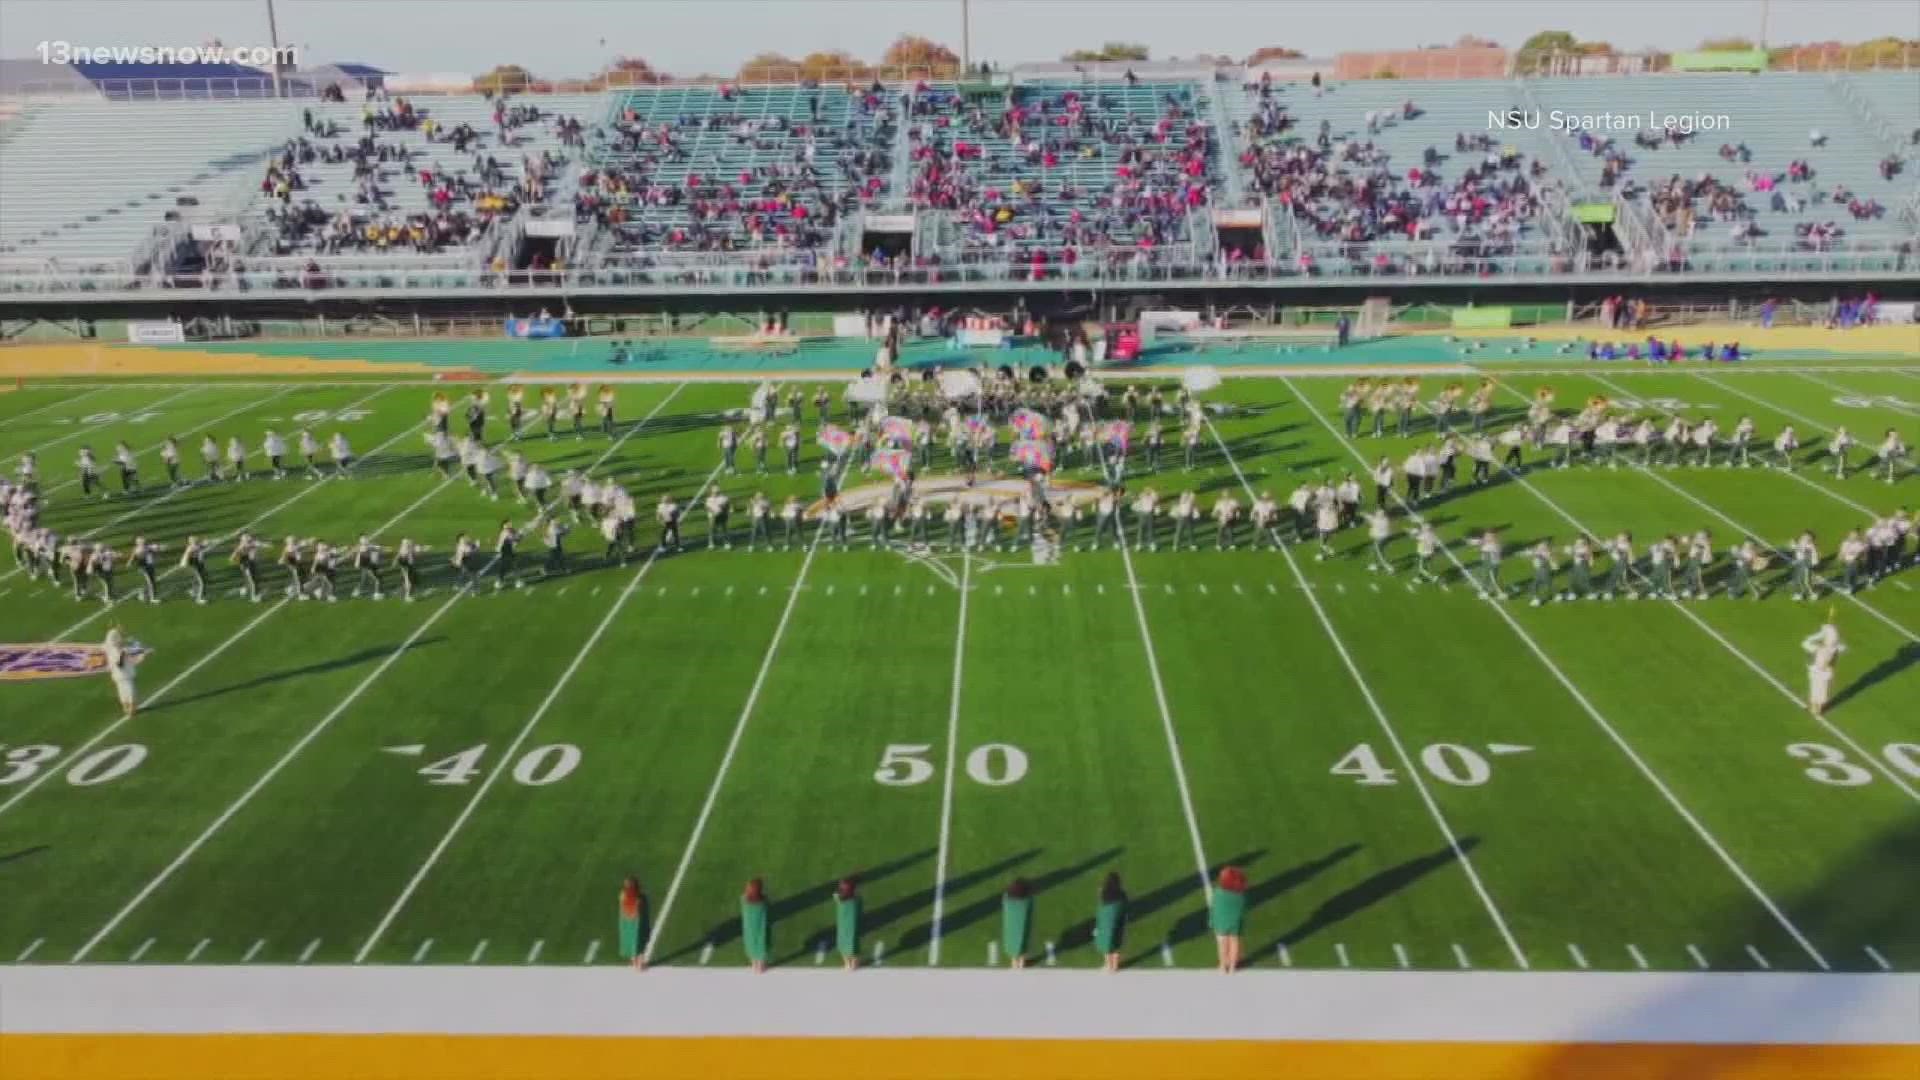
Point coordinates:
[[756, 930], [1016, 924], [1229, 912], [846, 920], [633, 931], [1110, 926]]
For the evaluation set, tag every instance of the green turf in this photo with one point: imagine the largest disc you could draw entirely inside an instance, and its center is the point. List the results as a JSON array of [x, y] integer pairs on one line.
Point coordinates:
[[1172, 712]]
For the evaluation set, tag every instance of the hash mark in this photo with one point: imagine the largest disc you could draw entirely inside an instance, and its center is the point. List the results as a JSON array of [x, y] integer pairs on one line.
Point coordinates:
[[1051, 959], [306, 954], [30, 950], [829, 590], [863, 590], [763, 590], [1579, 957], [663, 590], [1166, 955], [1341, 952], [993, 954], [1699, 961], [1400, 954], [1639, 961], [141, 951], [706, 953], [533, 954], [421, 953], [1878, 959], [593, 950], [1100, 587], [820, 953], [478, 951], [1460, 956], [1286, 958], [254, 951], [1237, 590], [198, 949], [1758, 959], [1271, 590], [879, 953]]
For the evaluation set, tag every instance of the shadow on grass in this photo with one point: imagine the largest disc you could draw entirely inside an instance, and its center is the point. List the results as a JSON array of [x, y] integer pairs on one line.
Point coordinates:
[[960, 918], [1351, 901], [791, 905], [353, 659]]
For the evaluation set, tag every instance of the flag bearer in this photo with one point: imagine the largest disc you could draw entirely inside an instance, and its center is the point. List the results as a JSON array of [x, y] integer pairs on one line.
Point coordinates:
[[847, 911], [1823, 648], [1016, 922], [756, 925]]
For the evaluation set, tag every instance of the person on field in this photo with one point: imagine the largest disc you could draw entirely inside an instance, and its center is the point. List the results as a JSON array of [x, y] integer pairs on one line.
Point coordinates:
[[1110, 922], [1226, 916], [120, 661], [633, 924], [847, 911], [1823, 648], [756, 925], [1016, 922]]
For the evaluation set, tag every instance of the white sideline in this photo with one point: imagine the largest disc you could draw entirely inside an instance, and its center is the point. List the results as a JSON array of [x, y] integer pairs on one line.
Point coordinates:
[[1380, 714], [1166, 723], [953, 750], [513, 749], [325, 721], [1749, 1008], [733, 746], [1592, 711]]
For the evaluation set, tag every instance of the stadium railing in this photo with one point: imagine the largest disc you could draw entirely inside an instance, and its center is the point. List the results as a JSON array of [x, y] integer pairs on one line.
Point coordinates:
[[710, 273]]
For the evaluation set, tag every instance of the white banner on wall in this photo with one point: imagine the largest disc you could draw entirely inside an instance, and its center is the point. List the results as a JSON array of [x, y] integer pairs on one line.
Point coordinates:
[[156, 333]]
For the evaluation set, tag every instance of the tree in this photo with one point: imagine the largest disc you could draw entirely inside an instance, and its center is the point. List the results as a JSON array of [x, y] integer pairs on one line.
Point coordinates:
[[910, 51], [1110, 51], [626, 71], [1385, 73], [1537, 48], [1726, 44], [1273, 52], [1468, 41], [507, 78]]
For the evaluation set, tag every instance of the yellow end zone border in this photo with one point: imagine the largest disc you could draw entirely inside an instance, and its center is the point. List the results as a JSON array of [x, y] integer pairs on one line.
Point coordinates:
[[492, 1057]]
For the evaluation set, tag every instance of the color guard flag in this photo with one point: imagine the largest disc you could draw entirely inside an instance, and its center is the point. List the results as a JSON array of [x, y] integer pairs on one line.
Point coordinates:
[[897, 430], [1034, 454], [1118, 435], [1030, 424], [895, 463], [834, 440]]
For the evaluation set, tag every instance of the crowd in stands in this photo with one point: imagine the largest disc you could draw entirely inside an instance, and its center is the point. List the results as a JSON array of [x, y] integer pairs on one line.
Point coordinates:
[[1348, 191], [793, 181], [462, 202], [1007, 174]]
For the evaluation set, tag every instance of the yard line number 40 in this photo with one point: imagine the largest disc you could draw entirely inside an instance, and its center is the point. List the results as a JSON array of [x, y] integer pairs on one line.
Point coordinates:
[[1451, 763]]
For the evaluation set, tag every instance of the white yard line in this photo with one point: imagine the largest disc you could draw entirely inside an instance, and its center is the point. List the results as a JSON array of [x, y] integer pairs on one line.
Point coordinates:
[[83, 432], [733, 747], [953, 753], [1857, 602], [1166, 725], [1639, 960], [1897, 410], [1407, 764], [27, 953], [198, 949], [149, 504], [1683, 608], [1881, 961], [1600, 720], [512, 753], [54, 405]]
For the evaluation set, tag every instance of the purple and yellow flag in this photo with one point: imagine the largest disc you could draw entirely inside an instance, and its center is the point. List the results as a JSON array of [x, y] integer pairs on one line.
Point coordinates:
[[895, 463]]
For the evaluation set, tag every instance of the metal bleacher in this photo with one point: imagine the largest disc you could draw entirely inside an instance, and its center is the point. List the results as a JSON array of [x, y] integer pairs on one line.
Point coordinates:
[[1085, 168], [89, 182], [1773, 115], [750, 141]]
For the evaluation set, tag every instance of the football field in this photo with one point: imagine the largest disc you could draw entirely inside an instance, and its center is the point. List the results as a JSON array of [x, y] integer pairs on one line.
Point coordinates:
[[1413, 776]]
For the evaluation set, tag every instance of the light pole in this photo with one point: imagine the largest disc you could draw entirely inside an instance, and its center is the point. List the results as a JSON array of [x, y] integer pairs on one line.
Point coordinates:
[[273, 38], [966, 37]]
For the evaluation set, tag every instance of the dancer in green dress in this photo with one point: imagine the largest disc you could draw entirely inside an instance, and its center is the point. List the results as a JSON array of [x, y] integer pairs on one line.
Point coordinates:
[[1016, 922], [756, 925], [847, 910], [1227, 914], [1110, 921], [633, 924]]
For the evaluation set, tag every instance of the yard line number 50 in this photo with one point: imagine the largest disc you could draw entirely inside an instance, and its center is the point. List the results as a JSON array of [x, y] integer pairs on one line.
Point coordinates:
[[992, 764]]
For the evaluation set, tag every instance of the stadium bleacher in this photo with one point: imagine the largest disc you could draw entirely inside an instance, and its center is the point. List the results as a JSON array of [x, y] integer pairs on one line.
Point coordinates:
[[1026, 178]]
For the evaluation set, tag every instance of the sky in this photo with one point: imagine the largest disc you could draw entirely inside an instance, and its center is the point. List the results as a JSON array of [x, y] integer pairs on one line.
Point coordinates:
[[559, 38]]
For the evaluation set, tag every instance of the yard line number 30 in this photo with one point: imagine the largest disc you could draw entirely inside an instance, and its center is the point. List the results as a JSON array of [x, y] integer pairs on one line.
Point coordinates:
[[1830, 765]]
